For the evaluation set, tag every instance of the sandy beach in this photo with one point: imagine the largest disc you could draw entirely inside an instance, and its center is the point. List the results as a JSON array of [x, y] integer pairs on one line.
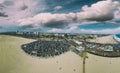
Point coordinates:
[[106, 39], [14, 60], [97, 64]]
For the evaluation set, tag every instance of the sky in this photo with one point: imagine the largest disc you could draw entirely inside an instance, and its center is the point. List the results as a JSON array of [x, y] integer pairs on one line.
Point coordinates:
[[61, 16]]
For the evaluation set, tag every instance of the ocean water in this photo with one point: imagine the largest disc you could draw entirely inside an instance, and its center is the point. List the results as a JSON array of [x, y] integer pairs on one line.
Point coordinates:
[[118, 35]]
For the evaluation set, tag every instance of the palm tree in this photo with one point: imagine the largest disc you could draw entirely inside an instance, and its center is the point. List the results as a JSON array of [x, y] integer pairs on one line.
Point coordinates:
[[84, 60], [84, 55]]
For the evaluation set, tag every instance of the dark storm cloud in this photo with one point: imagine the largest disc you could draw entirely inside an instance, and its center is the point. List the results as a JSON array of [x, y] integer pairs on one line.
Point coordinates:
[[56, 24], [101, 18], [24, 7], [3, 15]]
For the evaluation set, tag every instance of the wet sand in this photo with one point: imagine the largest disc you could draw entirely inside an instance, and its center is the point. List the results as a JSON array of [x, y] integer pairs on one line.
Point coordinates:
[[14, 60]]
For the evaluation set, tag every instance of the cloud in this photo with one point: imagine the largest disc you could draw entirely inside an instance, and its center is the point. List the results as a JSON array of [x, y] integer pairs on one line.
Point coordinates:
[[56, 30], [4, 22], [3, 15], [117, 13], [100, 11], [58, 8], [103, 31], [1, 1], [18, 9], [75, 29], [48, 19]]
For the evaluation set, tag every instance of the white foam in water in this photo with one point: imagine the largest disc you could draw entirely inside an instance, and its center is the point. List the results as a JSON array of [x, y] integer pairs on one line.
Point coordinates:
[[116, 38]]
